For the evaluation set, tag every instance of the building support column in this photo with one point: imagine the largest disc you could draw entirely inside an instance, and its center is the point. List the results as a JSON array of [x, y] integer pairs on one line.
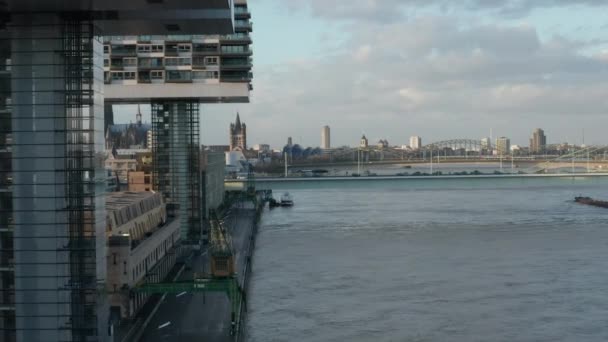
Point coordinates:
[[176, 161]]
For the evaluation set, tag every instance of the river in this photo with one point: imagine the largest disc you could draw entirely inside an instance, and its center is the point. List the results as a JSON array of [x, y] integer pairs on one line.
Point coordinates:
[[432, 260]]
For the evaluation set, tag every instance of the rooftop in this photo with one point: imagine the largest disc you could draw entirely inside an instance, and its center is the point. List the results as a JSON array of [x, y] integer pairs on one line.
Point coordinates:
[[118, 200]]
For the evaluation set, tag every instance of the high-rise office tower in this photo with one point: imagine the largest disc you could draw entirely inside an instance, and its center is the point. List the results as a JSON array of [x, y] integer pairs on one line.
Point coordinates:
[[325, 138], [503, 146], [415, 142], [538, 142]]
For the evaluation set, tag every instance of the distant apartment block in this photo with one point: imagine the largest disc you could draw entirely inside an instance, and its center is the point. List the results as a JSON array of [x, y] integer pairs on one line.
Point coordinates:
[[503, 146], [261, 147], [415, 142], [538, 142], [325, 138]]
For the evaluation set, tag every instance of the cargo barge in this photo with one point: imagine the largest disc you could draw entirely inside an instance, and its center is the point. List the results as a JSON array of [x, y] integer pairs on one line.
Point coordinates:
[[591, 201]]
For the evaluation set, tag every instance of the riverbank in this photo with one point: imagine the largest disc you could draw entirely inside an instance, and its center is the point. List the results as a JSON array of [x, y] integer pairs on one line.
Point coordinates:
[[426, 177]]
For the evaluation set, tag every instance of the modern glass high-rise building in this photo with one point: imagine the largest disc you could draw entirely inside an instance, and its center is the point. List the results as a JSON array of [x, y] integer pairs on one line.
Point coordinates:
[[52, 181]]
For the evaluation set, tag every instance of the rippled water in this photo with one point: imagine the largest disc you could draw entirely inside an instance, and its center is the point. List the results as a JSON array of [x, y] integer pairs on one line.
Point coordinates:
[[433, 260]]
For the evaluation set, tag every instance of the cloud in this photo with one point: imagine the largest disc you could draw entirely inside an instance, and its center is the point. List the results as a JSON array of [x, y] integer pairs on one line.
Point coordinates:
[[432, 77], [391, 10]]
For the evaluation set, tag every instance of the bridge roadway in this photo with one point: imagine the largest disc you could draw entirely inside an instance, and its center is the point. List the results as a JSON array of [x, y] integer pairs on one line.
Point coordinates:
[[524, 162], [196, 317]]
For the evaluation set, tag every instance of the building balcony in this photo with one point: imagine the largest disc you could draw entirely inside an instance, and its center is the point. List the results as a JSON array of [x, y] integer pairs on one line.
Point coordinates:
[[236, 78], [242, 14], [237, 38], [206, 52], [243, 52], [243, 25], [237, 66]]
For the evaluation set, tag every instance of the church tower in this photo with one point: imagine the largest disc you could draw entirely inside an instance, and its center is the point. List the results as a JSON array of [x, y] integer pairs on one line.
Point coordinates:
[[238, 135]]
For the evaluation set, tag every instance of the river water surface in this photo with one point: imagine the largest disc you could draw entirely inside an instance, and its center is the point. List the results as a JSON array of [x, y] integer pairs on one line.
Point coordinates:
[[433, 260]]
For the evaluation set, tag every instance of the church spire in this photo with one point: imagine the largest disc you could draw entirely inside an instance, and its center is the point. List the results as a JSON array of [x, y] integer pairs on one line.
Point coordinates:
[[138, 116], [237, 124]]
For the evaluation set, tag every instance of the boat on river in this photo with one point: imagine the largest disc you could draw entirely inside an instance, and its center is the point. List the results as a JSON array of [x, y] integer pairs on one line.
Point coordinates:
[[591, 201], [286, 200]]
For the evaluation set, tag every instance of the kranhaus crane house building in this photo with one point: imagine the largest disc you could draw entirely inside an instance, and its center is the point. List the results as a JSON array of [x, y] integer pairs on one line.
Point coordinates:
[[61, 64]]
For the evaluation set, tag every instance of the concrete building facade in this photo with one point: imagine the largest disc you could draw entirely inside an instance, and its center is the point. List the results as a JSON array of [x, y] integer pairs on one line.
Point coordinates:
[[503, 146], [415, 142], [142, 247], [538, 142], [140, 181], [325, 138]]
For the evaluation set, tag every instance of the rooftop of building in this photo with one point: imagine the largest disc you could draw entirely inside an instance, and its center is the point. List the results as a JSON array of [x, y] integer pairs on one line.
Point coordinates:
[[118, 200]]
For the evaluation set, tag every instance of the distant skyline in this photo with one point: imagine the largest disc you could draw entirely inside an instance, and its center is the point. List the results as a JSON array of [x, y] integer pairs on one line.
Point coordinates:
[[438, 69], [355, 137]]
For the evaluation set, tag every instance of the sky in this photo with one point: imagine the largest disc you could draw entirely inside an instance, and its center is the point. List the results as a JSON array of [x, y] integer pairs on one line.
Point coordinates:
[[439, 69]]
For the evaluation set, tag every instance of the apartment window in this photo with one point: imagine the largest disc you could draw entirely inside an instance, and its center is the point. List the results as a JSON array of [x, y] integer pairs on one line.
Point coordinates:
[[116, 62], [150, 62], [206, 74], [184, 48], [234, 48], [205, 47], [129, 62], [157, 75], [211, 60], [123, 49], [178, 61], [157, 48], [129, 75], [106, 62], [143, 48], [106, 49], [114, 258], [179, 75]]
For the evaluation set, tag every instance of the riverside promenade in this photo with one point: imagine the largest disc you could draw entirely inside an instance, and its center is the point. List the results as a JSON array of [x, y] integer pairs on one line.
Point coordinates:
[[206, 316]]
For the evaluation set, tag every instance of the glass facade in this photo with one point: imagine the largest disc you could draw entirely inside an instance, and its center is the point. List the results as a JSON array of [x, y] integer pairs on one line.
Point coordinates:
[[58, 183], [176, 160]]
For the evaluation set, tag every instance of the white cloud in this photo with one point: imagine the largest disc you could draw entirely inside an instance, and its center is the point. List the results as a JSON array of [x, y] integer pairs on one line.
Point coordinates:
[[433, 76]]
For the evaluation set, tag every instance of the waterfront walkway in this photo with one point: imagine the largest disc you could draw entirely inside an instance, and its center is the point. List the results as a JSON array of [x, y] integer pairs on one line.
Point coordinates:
[[195, 317]]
